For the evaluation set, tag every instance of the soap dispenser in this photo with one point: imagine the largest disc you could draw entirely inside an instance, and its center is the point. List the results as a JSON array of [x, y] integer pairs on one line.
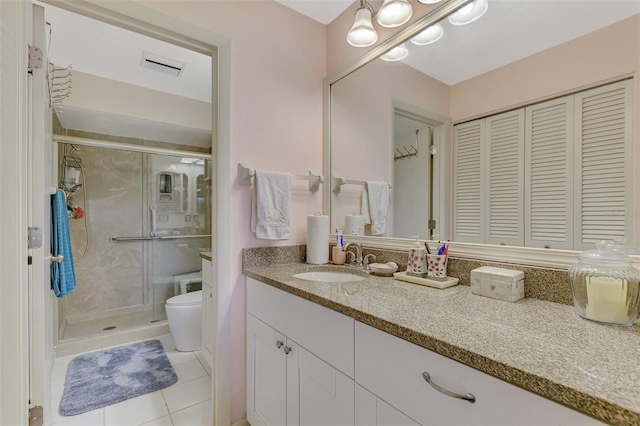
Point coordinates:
[[417, 264]]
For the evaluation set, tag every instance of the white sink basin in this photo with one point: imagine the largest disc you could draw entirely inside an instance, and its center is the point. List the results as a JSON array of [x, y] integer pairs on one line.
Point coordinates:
[[329, 277]]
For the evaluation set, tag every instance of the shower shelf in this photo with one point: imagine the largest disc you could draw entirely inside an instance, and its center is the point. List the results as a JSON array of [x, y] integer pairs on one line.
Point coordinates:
[[116, 239]]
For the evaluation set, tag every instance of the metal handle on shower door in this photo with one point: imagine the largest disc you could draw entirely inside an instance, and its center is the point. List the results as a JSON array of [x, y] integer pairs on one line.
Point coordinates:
[[152, 209]]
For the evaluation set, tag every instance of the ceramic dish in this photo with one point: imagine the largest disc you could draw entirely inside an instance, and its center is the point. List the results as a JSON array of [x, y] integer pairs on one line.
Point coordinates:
[[383, 269]]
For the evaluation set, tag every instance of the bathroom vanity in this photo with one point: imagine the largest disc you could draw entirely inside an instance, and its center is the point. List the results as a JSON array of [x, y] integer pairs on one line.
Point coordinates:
[[381, 351]]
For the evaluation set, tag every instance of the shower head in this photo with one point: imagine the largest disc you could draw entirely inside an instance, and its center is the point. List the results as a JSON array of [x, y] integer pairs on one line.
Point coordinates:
[[74, 188]]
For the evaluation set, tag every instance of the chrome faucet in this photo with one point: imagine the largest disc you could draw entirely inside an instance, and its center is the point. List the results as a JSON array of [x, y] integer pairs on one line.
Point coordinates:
[[358, 256]]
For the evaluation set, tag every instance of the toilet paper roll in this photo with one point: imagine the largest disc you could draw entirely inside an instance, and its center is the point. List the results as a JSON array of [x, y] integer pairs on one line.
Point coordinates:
[[318, 239], [354, 225]]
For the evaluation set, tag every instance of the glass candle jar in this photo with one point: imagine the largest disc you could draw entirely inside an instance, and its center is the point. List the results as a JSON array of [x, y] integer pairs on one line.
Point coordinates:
[[605, 286]]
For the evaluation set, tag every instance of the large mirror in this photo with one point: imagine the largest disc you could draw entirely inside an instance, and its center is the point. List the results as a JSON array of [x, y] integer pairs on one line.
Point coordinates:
[[395, 122]]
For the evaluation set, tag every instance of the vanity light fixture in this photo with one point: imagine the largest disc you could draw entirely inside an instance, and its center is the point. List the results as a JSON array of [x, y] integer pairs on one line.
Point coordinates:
[[394, 13], [398, 53], [429, 1], [362, 33], [469, 13], [428, 36]]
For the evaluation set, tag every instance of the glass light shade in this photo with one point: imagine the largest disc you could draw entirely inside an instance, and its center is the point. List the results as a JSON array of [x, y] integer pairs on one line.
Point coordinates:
[[398, 53], [362, 33], [469, 13], [429, 1], [429, 35], [394, 13]]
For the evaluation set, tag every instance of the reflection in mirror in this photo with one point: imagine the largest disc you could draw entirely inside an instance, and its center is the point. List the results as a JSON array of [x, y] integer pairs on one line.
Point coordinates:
[[519, 54]]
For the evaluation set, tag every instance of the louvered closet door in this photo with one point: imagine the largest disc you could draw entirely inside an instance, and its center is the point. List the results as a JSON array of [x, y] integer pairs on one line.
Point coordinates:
[[504, 179], [603, 171], [549, 174], [467, 188]]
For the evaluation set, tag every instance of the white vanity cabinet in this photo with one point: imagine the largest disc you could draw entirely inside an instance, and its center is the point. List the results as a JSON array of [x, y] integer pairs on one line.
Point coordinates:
[[392, 369], [207, 311], [299, 361]]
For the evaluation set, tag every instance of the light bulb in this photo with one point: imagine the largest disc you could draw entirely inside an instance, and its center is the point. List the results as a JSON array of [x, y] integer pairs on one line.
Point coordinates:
[[469, 13], [429, 1], [362, 33], [428, 36], [398, 53], [394, 13]]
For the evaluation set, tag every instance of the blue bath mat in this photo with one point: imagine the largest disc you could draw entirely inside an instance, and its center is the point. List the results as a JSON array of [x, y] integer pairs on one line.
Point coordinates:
[[98, 379]]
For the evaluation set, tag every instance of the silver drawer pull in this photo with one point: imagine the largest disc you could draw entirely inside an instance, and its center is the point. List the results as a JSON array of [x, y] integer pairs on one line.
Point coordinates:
[[279, 343], [467, 397], [287, 349]]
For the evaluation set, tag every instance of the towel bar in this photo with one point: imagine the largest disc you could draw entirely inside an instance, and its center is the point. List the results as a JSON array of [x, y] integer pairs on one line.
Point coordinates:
[[245, 173], [116, 239], [337, 182]]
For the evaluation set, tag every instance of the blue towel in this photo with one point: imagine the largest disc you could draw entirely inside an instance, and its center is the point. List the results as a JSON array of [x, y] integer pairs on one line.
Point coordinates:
[[63, 275]]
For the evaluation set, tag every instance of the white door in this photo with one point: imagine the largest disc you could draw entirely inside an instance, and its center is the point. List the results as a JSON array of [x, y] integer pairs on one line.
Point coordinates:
[[15, 36], [266, 375], [42, 302], [317, 393]]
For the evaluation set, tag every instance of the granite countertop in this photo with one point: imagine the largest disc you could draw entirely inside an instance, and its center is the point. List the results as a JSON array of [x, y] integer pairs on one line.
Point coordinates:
[[206, 255], [541, 346]]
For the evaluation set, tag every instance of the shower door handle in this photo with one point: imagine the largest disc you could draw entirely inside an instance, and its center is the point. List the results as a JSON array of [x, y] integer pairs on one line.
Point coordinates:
[[152, 209]]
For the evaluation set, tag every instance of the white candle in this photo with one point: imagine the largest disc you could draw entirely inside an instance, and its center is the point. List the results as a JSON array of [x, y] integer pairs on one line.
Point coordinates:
[[607, 300]]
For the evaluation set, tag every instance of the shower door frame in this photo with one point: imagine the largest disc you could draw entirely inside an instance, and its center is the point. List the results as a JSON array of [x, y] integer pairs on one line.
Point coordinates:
[[148, 241], [138, 18]]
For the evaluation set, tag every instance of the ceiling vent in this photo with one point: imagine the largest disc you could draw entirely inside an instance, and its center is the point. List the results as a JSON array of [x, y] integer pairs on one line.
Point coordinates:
[[162, 64]]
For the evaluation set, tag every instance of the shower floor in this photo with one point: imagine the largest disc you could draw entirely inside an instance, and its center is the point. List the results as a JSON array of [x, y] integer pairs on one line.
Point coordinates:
[[97, 326]]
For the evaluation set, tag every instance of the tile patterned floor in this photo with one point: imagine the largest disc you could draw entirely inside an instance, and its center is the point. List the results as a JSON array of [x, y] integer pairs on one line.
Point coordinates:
[[186, 403]]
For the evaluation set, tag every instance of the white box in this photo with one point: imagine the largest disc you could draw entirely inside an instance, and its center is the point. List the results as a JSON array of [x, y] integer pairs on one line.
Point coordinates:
[[498, 283]]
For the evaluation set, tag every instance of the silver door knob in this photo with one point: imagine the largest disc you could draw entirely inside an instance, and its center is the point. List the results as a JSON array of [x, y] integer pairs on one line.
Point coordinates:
[[279, 343], [59, 258], [287, 349]]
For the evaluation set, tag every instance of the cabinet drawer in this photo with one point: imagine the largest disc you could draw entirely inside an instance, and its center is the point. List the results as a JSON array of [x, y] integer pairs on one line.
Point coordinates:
[[393, 368], [207, 272], [324, 332]]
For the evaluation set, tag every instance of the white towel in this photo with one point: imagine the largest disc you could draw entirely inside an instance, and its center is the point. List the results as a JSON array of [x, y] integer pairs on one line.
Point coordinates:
[[271, 205], [375, 206]]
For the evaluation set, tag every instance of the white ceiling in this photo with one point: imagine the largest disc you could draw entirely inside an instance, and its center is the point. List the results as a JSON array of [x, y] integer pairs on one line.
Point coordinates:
[[323, 11], [512, 30], [111, 52]]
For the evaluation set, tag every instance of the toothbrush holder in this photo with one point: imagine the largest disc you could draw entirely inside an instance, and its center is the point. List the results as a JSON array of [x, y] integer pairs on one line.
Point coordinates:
[[437, 265]]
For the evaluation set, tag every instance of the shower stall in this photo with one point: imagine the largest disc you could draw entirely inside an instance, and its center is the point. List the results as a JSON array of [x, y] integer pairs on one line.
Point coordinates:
[[139, 215]]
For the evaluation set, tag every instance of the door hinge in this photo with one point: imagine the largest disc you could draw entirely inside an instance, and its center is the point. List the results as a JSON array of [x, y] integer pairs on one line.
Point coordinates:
[[432, 224], [29, 260], [35, 416], [35, 59]]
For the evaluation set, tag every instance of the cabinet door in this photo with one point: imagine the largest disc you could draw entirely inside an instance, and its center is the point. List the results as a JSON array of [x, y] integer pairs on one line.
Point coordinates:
[[266, 375], [549, 174], [207, 322], [317, 393], [503, 179], [604, 168], [467, 185]]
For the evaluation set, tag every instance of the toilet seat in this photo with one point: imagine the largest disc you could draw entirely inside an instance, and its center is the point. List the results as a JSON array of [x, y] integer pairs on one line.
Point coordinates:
[[193, 298]]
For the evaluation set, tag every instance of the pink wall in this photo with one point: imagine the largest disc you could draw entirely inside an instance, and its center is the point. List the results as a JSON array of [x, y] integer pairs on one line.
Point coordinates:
[[603, 55], [278, 63]]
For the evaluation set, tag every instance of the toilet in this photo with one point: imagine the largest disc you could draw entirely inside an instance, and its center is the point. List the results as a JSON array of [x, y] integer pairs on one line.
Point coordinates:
[[184, 313]]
